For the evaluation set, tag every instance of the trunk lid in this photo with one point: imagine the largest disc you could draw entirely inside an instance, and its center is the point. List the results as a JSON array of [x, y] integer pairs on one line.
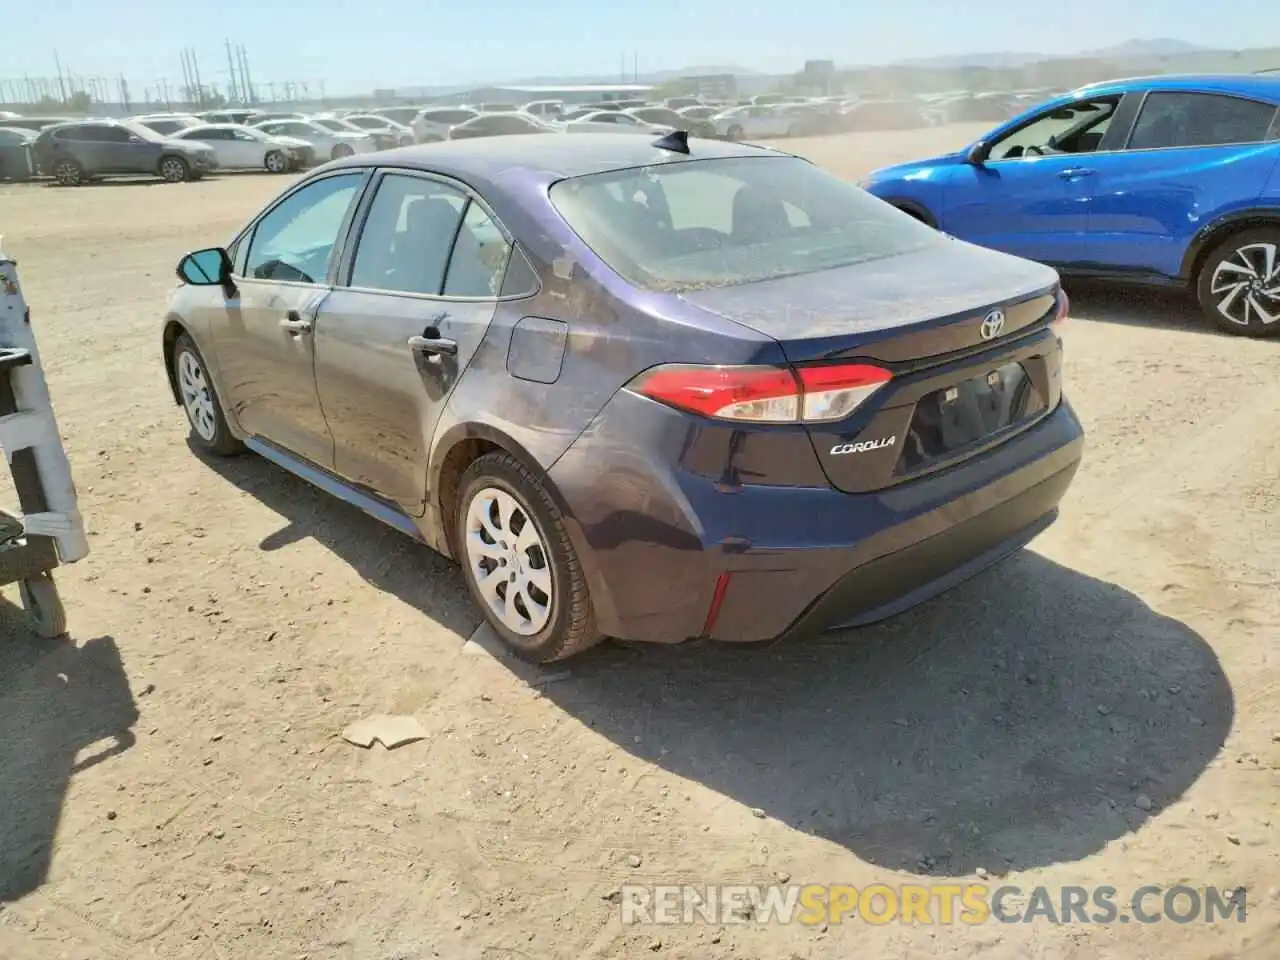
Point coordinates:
[[909, 307], [955, 390]]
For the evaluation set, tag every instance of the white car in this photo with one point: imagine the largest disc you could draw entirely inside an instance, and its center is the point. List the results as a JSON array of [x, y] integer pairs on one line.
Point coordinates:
[[167, 124], [434, 123], [247, 148], [376, 123], [328, 144], [614, 121], [750, 122]]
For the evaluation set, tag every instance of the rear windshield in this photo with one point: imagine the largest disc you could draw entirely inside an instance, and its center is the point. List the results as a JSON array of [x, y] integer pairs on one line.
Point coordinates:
[[716, 223]]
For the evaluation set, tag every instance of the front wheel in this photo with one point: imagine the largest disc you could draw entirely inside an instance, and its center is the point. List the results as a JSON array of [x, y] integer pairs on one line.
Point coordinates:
[[519, 563], [340, 151], [276, 162], [41, 601], [1239, 283], [68, 172], [735, 132], [200, 401], [174, 170]]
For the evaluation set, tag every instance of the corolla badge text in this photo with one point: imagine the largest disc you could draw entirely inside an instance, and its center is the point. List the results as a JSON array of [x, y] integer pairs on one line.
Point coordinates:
[[862, 446]]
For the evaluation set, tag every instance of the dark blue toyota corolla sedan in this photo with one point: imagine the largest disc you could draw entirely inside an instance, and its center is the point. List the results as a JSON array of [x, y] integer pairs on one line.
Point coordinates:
[[650, 390]]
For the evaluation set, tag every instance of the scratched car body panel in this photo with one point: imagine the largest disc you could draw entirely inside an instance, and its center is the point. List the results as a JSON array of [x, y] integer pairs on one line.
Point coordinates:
[[753, 400]]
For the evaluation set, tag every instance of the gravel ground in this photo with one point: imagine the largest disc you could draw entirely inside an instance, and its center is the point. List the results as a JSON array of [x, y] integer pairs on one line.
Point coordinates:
[[1100, 709]]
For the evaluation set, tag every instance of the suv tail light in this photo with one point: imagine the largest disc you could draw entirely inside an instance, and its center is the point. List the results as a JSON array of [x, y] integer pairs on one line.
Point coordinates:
[[757, 394], [1064, 306]]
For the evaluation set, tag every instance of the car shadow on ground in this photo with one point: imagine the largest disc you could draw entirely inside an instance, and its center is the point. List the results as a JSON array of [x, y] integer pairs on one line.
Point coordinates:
[[63, 709], [1098, 302], [1029, 717], [385, 558]]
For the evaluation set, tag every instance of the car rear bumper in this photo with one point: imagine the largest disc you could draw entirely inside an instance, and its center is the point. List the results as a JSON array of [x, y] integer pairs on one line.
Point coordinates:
[[672, 555]]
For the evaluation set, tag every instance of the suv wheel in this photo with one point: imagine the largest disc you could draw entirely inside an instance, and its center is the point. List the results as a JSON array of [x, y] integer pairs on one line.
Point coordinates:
[[276, 162], [68, 172], [209, 428], [1239, 283], [174, 170], [519, 563]]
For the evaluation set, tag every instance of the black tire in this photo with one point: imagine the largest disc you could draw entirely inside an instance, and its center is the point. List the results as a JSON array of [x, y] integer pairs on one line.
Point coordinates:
[[219, 440], [340, 151], [276, 162], [571, 628], [68, 172], [1241, 318], [735, 132], [174, 169]]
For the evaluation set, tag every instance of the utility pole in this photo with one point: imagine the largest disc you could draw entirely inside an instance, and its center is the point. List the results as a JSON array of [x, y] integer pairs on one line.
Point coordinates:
[[58, 66], [245, 83], [187, 85], [124, 94], [231, 74], [195, 70], [635, 66]]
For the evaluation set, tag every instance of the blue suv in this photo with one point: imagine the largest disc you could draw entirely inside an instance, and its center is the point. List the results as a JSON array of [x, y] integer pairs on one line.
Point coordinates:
[[1171, 180]]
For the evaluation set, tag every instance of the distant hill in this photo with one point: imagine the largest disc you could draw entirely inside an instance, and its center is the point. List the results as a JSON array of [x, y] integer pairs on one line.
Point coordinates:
[[1128, 50]]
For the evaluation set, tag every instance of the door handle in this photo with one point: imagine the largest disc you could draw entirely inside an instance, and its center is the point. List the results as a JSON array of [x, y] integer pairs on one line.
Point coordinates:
[[294, 323], [436, 346], [1075, 173]]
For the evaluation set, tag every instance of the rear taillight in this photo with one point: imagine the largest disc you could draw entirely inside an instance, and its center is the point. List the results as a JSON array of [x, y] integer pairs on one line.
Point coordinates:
[[1060, 315], [755, 394]]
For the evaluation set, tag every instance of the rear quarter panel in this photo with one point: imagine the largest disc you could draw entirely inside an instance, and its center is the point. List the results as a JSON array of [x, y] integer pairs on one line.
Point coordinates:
[[611, 332]]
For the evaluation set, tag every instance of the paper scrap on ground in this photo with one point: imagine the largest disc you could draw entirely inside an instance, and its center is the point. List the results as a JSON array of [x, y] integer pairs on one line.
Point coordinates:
[[388, 730]]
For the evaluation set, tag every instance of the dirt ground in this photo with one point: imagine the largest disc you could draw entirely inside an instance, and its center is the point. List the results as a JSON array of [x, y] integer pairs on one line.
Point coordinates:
[[1103, 708]]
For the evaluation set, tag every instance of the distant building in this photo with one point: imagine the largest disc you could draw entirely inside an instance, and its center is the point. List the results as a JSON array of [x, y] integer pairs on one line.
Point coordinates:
[[712, 86], [574, 93]]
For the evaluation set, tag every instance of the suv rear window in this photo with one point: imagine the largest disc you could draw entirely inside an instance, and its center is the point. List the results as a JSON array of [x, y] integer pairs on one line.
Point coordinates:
[[718, 223]]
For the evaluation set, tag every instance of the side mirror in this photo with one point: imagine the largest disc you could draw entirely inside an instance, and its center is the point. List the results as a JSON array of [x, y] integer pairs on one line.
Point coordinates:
[[977, 153], [205, 268]]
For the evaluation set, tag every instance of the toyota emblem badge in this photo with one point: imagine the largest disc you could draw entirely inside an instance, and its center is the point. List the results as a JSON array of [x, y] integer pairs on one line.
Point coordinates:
[[992, 325]]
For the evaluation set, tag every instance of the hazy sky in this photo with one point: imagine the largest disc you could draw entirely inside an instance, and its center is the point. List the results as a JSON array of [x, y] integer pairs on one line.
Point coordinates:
[[358, 46]]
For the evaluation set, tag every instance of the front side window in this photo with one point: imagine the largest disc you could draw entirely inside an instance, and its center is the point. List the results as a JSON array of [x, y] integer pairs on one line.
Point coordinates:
[[1199, 120], [715, 223], [408, 235], [1072, 128], [296, 240]]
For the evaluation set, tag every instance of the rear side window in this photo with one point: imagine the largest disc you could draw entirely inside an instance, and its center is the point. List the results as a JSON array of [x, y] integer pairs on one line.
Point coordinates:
[[408, 235], [715, 223], [479, 257], [1199, 120]]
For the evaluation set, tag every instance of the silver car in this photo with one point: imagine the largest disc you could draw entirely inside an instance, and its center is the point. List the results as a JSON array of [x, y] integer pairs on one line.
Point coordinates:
[[433, 124], [756, 122]]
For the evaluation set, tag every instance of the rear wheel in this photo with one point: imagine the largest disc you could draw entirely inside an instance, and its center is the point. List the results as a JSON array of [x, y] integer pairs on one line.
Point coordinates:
[[68, 172], [340, 151], [1239, 283], [735, 132], [519, 563], [276, 162], [200, 401], [174, 170]]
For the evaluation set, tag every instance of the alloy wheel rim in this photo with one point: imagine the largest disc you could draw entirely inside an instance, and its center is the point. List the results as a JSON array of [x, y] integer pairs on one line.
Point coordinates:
[[197, 398], [275, 162], [509, 561], [171, 170], [67, 173], [1246, 285]]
